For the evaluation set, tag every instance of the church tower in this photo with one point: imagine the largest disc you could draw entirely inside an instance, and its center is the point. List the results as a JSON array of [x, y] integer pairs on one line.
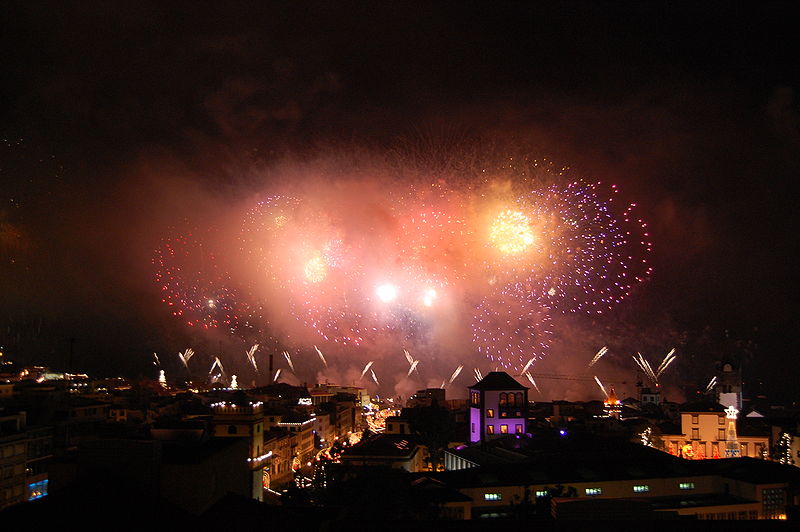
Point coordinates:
[[729, 385]]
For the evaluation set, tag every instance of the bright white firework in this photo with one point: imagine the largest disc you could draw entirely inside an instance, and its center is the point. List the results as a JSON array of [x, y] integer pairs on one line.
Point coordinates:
[[598, 355], [386, 292], [455, 374], [366, 368], [321, 356]]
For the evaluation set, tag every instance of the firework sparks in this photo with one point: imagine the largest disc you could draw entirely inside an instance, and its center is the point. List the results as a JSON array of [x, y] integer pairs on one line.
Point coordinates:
[[711, 384], [644, 365], [374, 377], [217, 364], [277, 375], [366, 368], [533, 382], [511, 232], [156, 362], [251, 356], [600, 384], [478, 375], [527, 365], [598, 355], [288, 358], [412, 368], [186, 356], [455, 373], [321, 356], [671, 356]]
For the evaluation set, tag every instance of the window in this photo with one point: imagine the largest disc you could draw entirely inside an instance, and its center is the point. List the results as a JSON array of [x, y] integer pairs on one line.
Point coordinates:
[[473, 428], [489, 412], [520, 400], [695, 434], [641, 488], [541, 493], [231, 429], [686, 485], [518, 429], [695, 419], [721, 420], [512, 399], [475, 398], [503, 429], [721, 434], [593, 492], [489, 429], [492, 496], [503, 399]]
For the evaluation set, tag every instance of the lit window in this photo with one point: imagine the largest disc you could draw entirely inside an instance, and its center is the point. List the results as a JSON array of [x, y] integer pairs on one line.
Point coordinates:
[[695, 419], [489, 429], [492, 496], [641, 488], [518, 429], [503, 429], [721, 420], [541, 493], [489, 412], [686, 485], [695, 434], [503, 399], [592, 492]]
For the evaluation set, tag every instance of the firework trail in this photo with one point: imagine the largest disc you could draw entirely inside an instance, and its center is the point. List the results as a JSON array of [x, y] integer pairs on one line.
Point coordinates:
[[600, 384], [217, 363], [409, 358], [289, 360], [644, 365], [455, 373], [412, 368], [671, 356], [156, 362], [251, 356], [527, 365], [530, 378], [277, 375], [441, 386], [711, 384], [186, 356], [598, 355], [321, 356], [478, 375], [374, 377], [366, 368]]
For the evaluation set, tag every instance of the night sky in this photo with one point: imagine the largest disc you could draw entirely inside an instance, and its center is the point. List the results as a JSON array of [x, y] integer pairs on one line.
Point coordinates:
[[119, 120]]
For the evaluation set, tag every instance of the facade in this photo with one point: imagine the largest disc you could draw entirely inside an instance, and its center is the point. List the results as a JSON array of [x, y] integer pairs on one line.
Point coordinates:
[[706, 433], [498, 405], [244, 420]]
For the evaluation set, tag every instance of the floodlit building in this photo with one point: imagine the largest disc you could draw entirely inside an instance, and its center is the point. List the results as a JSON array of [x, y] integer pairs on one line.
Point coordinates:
[[498, 405], [706, 433]]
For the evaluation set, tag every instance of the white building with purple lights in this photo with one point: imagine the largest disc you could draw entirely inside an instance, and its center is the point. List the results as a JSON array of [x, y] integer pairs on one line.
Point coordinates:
[[498, 405]]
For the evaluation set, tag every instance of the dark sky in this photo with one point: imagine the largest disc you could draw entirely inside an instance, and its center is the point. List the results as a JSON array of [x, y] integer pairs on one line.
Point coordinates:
[[692, 110]]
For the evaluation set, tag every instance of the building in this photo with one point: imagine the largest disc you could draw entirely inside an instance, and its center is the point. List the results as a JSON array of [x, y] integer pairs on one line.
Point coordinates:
[[244, 419], [25, 453], [389, 450], [557, 478], [705, 430], [498, 405]]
